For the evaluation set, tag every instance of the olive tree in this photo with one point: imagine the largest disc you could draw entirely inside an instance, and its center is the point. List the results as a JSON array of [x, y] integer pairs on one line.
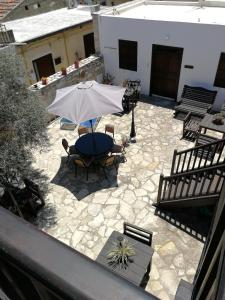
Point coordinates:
[[22, 121]]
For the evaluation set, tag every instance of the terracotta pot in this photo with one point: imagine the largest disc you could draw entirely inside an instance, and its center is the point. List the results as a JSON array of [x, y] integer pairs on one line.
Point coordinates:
[[76, 64], [64, 71], [44, 80]]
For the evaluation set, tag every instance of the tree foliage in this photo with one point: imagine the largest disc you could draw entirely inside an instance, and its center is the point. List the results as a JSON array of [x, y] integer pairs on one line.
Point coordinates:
[[22, 120]]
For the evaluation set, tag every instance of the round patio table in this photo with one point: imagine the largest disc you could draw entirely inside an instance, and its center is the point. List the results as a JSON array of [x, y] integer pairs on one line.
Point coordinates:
[[94, 144]]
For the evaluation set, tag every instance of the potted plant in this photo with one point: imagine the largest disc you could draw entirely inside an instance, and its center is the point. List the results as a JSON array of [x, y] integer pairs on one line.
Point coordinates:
[[76, 64], [121, 253], [64, 71], [218, 118], [44, 80]]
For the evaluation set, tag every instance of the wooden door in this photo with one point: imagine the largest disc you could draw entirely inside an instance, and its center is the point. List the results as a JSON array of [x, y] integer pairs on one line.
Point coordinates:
[[89, 44], [165, 70], [44, 66]]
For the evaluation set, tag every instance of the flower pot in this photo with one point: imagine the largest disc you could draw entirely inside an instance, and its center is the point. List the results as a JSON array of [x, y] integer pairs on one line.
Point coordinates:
[[76, 64], [64, 71], [44, 80]]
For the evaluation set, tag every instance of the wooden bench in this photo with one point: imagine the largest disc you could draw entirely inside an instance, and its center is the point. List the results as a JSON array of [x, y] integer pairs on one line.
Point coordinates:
[[196, 100]]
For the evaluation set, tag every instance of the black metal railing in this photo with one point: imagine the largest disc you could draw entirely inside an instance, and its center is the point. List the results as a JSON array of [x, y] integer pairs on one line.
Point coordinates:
[[191, 185], [199, 157], [34, 265]]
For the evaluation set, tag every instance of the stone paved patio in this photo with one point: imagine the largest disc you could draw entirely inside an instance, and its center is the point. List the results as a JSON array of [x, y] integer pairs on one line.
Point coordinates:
[[83, 214]]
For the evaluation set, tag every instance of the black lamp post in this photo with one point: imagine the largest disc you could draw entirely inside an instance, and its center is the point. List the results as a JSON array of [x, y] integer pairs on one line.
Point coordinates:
[[132, 130]]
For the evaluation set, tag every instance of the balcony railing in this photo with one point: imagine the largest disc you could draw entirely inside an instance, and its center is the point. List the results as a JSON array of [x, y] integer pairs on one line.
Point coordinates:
[[34, 265]]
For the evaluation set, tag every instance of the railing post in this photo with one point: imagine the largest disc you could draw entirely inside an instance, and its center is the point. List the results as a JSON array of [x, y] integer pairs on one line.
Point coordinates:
[[173, 161], [160, 188]]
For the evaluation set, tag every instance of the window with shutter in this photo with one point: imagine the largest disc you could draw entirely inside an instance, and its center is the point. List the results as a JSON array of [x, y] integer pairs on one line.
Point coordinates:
[[220, 74], [128, 55]]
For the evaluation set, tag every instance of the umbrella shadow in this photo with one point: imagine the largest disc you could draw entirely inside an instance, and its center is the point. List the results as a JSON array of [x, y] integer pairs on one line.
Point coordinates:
[[78, 185]]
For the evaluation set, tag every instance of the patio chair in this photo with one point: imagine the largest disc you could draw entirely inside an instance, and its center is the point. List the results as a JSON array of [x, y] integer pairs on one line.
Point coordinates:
[[82, 130], [142, 235], [109, 128], [119, 149], [83, 163], [197, 100], [108, 162], [70, 150], [191, 126]]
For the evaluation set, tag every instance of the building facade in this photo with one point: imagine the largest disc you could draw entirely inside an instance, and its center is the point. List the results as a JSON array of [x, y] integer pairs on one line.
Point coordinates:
[[15, 9], [53, 40], [165, 46]]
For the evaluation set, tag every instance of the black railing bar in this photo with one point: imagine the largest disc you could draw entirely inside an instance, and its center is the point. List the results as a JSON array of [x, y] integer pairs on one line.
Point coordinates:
[[183, 183], [165, 184], [219, 180], [212, 177], [210, 168], [189, 185], [208, 150], [173, 161], [184, 159], [160, 188], [220, 153], [178, 163], [199, 147], [200, 159], [196, 183], [190, 157], [203, 184]]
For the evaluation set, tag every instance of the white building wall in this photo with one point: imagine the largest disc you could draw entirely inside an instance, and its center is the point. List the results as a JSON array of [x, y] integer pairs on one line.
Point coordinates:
[[202, 44]]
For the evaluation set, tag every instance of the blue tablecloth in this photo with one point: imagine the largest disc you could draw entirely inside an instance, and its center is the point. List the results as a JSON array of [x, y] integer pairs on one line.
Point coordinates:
[[94, 144]]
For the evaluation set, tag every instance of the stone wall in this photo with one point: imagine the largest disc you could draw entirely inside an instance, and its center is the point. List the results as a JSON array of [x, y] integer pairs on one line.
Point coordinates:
[[91, 68]]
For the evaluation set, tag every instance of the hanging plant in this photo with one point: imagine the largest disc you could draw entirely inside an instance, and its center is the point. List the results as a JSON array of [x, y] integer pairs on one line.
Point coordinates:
[[121, 253]]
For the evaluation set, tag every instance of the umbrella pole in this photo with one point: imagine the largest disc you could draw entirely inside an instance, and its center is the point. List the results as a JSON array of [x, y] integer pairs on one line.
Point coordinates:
[[92, 131], [91, 126]]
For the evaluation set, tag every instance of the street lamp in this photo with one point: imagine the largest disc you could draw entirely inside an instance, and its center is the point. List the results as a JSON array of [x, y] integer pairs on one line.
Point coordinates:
[[132, 130]]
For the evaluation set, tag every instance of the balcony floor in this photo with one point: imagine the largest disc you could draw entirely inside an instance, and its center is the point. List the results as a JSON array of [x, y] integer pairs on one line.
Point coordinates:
[[83, 214]]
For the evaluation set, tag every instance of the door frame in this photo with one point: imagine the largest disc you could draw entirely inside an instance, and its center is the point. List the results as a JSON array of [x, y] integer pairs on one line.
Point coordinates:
[[166, 46], [36, 68]]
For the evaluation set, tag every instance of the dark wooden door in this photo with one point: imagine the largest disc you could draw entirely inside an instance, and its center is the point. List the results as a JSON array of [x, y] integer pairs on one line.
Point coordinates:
[[165, 70], [44, 66], [89, 44]]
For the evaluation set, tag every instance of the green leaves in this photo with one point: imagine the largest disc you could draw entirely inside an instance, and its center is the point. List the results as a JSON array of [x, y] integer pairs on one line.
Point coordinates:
[[23, 119], [120, 255]]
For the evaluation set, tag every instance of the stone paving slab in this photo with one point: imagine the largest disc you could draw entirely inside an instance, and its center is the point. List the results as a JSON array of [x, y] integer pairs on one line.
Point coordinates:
[[83, 214]]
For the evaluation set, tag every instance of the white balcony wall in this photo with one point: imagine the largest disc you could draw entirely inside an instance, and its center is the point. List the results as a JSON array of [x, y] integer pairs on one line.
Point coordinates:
[[202, 44]]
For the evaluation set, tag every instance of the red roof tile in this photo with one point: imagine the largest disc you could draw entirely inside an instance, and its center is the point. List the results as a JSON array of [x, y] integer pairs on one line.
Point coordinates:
[[7, 5]]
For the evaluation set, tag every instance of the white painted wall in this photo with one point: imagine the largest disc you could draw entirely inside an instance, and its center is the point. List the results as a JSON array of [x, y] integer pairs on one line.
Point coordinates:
[[202, 45]]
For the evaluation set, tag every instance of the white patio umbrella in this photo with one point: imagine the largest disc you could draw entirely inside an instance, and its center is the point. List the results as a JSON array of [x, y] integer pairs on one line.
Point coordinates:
[[86, 101]]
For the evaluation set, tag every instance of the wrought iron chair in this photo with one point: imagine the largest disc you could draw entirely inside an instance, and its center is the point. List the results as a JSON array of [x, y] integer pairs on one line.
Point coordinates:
[[108, 162], [83, 163], [70, 150], [119, 149], [82, 130], [109, 128]]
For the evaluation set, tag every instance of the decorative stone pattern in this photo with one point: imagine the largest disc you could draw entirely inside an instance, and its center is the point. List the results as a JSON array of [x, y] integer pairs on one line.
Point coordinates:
[[83, 214]]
